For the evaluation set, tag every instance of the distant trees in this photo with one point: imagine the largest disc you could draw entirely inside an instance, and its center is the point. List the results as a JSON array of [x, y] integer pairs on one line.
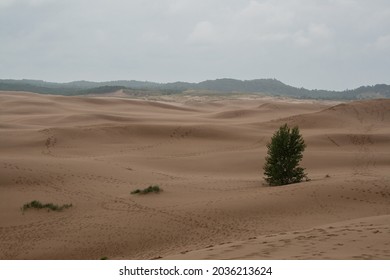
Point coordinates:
[[285, 151]]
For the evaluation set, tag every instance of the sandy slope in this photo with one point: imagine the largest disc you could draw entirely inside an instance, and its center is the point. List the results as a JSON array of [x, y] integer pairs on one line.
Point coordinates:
[[207, 156]]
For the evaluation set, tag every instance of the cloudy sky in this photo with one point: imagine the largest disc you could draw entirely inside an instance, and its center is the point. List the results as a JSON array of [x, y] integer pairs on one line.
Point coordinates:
[[330, 44]]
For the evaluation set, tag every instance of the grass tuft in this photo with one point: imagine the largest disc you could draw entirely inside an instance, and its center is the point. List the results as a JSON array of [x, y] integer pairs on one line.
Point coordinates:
[[150, 189], [39, 205]]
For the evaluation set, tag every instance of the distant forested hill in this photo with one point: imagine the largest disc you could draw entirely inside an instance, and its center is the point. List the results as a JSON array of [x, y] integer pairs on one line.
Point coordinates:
[[271, 87]]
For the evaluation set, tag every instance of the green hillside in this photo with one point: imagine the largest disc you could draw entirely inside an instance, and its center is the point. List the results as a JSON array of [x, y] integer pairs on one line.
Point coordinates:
[[270, 87]]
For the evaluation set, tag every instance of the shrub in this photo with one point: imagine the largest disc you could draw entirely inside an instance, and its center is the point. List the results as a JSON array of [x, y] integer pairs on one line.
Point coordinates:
[[150, 189], [50, 206], [283, 157]]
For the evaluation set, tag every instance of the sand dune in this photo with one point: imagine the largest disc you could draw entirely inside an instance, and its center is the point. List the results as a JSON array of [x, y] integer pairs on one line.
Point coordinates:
[[366, 238], [368, 115], [207, 156]]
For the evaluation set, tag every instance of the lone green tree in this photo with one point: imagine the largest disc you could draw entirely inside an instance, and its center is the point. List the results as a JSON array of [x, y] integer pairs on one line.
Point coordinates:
[[283, 157]]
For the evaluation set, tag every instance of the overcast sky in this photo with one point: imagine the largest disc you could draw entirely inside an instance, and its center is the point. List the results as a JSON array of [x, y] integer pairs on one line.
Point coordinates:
[[330, 44]]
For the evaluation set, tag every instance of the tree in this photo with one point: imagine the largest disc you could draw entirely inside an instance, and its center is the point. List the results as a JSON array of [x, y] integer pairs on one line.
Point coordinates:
[[283, 157]]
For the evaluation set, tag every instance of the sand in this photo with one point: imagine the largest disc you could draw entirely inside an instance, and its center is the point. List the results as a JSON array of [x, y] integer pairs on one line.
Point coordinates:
[[207, 156]]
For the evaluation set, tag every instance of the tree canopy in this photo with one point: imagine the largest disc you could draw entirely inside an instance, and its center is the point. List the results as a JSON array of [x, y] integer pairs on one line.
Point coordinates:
[[285, 151]]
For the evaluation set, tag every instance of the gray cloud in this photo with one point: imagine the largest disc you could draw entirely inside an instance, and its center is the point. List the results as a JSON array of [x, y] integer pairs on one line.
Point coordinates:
[[332, 44]]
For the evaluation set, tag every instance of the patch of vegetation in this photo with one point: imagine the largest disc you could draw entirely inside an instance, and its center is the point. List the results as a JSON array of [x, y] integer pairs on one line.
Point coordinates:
[[104, 258], [101, 90], [49, 206], [150, 189], [285, 151]]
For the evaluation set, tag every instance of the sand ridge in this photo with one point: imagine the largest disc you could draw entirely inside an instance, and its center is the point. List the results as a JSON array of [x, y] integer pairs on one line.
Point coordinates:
[[207, 155]]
